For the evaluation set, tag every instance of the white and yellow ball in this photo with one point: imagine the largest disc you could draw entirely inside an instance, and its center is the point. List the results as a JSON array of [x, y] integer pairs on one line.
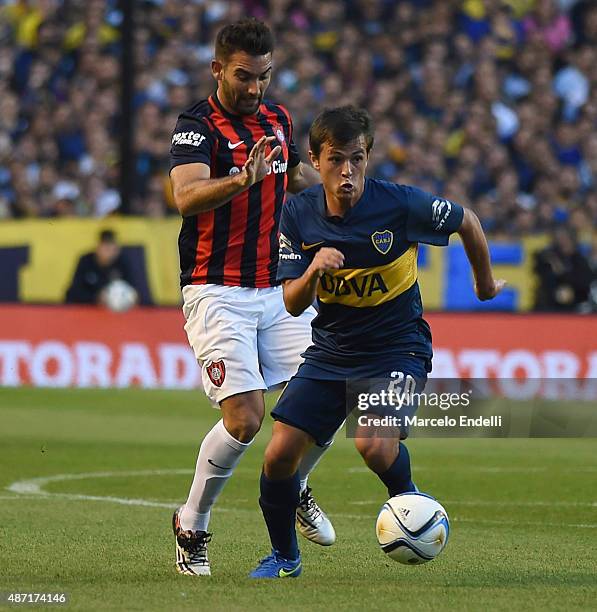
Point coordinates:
[[412, 528]]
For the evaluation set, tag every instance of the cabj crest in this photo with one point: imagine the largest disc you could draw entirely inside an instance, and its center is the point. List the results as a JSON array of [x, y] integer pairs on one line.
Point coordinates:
[[383, 241]]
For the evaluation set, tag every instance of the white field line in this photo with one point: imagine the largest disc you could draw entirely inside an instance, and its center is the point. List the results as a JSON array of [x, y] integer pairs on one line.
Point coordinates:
[[17, 497], [173, 505], [35, 485], [33, 488]]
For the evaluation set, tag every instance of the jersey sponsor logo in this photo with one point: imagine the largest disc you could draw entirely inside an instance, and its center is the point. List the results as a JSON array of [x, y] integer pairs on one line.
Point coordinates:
[[441, 210], [187, 138], [236, 144], [216, 370], [383, 241], [277, 167], [306, 247], [366, 287]]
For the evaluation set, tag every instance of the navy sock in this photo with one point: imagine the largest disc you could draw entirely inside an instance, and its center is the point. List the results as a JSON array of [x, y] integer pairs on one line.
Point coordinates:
[[397, 477], [279, 500]]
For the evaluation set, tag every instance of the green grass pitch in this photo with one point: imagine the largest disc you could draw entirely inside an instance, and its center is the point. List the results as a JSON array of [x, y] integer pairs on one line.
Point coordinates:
[[523, 515]]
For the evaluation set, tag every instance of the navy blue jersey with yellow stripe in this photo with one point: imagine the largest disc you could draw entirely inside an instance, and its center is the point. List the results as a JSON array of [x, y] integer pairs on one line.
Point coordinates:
[[371, 308]]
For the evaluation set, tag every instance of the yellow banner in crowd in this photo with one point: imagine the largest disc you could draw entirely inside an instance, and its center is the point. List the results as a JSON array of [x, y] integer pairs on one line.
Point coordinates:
[[55, 246], [42, 255]]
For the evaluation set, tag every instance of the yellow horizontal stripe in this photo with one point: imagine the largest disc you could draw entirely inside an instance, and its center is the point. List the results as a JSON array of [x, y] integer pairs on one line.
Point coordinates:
[[365, 287]]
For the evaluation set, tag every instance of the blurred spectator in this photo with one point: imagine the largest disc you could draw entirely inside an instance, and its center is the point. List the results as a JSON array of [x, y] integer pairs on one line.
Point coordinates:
[[564, 274], [546, 24], [591, 305], [491, 101], [96, 270]]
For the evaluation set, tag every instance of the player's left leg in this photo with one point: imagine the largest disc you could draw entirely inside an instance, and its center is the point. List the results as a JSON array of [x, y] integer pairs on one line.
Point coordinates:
[[381, 447], [390, 460], [281, 341]]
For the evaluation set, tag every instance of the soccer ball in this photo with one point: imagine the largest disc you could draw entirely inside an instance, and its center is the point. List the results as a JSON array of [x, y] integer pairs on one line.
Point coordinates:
[[412, 528], [119, 296]]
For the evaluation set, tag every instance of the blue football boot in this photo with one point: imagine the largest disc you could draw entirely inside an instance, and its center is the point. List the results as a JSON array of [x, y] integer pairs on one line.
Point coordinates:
[[276, 566]]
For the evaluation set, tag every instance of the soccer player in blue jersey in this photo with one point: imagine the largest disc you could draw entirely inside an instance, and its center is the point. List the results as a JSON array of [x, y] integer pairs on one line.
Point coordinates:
[[352, 243]]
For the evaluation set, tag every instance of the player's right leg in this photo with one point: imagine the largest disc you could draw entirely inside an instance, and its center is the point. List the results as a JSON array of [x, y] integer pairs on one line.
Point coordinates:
[[219, 454], [221, 327], [281, 341], [280, 495], [308, 411]]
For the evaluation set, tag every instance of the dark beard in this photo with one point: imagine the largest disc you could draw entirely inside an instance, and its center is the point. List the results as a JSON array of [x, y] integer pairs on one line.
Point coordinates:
[[230, 96]]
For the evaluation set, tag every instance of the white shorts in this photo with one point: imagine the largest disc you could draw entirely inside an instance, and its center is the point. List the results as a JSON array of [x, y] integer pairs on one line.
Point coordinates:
[[243, 338]]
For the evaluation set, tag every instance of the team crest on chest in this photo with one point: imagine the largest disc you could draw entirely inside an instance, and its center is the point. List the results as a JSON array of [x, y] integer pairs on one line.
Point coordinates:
[[383, 241], [216, 370], [280, 134]]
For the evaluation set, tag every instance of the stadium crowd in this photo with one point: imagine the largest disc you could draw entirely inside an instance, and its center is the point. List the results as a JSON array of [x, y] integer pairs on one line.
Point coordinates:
[[490, 102]]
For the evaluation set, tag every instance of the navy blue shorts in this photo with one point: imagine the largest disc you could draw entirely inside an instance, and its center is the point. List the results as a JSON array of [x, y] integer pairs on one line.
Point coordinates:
[[320, 406]]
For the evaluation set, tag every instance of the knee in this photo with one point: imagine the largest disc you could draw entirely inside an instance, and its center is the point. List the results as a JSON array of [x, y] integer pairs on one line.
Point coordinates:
[[243, 427], [280, 461], [242, 415], [378, 453]]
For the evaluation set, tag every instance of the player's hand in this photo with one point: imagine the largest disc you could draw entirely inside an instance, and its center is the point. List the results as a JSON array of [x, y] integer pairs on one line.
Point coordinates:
[[326, 258], [489, 290], [258, 163]]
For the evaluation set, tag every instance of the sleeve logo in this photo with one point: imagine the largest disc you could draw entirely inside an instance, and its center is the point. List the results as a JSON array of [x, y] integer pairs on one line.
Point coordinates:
[[286, 251], [187, 138], [441, 210]]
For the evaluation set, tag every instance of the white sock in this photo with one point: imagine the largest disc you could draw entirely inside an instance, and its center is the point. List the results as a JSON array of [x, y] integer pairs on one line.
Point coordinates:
[[309, 461], [219, 454]]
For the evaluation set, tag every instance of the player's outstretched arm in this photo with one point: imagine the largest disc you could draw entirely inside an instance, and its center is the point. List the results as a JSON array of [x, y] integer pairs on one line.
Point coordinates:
[[195, 192], [299, 293], [475, 245]]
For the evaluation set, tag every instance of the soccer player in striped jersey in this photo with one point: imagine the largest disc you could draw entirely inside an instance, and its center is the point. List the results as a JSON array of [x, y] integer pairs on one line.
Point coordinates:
[[233, 158]]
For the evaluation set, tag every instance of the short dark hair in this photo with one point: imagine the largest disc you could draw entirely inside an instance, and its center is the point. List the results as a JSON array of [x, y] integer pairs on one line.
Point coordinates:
[[340, 126], [248, 35], [107, 235]]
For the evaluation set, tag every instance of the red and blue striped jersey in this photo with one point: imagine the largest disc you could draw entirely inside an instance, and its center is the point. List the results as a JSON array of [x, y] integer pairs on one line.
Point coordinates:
[[237, 243]]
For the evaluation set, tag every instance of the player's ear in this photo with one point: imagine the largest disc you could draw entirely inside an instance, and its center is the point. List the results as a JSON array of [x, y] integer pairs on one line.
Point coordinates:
[[217, 69], [314, 160]]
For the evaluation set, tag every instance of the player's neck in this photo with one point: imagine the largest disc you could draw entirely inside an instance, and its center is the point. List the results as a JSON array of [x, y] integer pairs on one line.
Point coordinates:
[[221, 98]]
